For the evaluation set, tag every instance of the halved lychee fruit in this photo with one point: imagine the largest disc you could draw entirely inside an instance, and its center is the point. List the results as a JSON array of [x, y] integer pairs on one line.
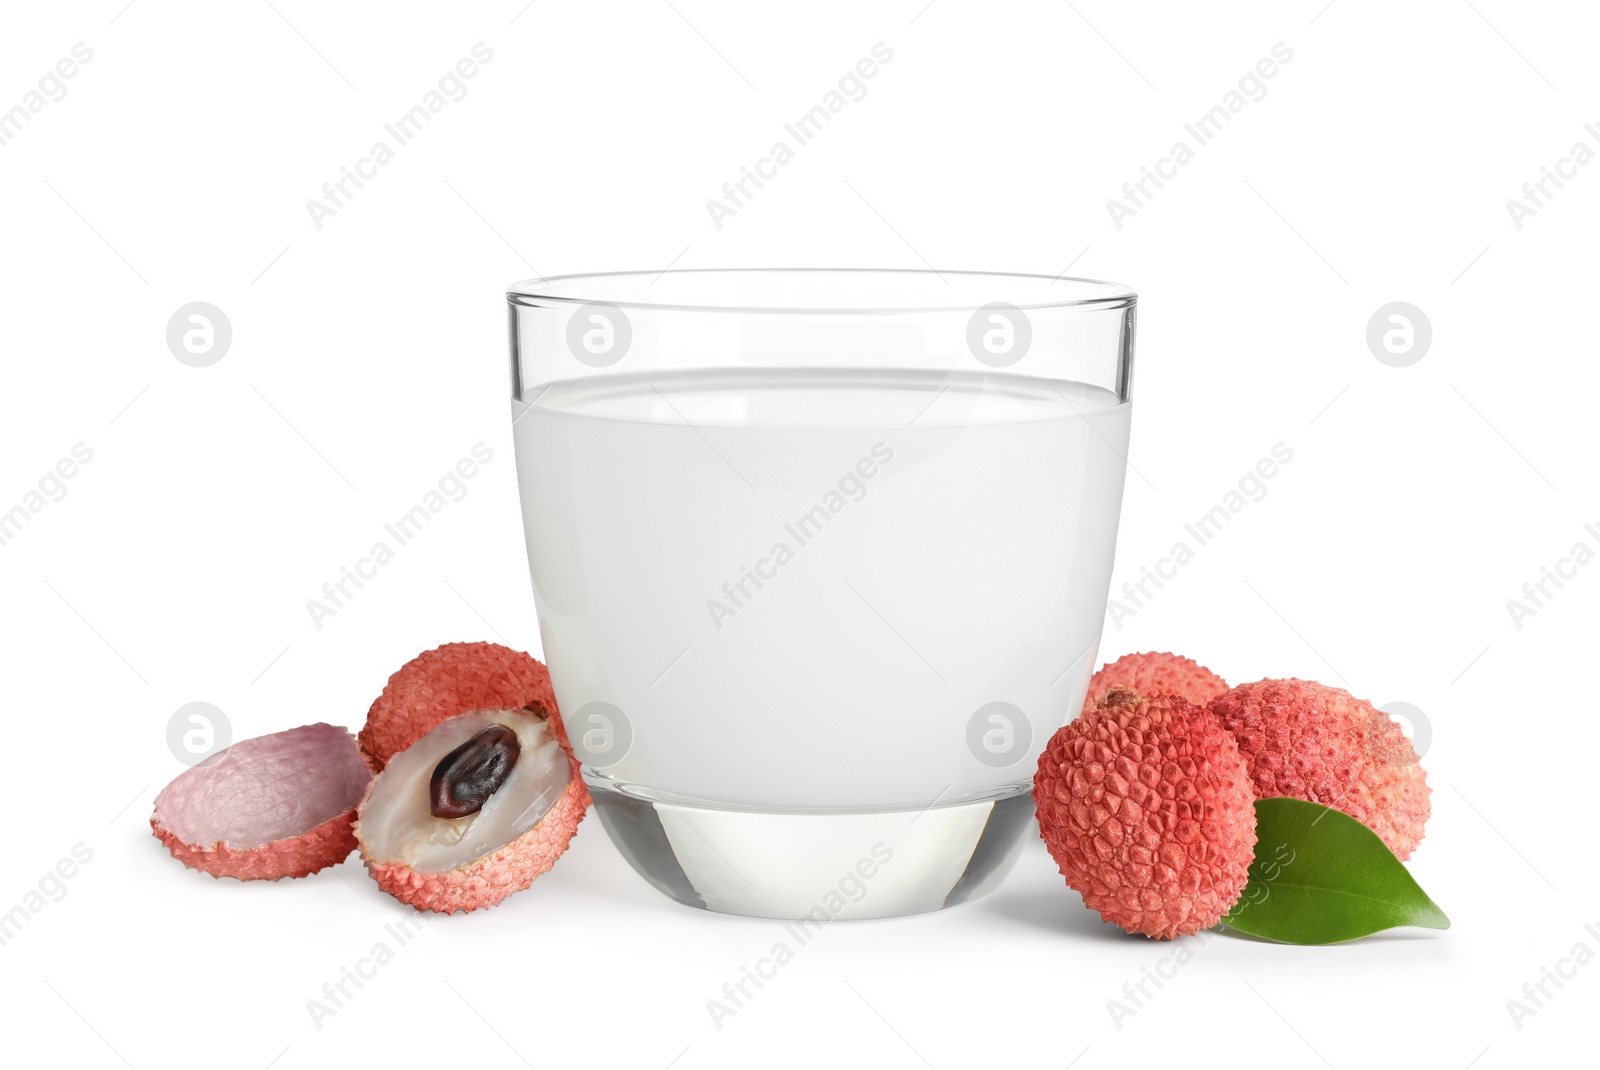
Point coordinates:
[[280, 805], [474, 810]]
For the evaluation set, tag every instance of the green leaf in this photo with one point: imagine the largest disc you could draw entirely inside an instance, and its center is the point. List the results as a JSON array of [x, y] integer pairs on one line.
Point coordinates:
[[1321, 876]]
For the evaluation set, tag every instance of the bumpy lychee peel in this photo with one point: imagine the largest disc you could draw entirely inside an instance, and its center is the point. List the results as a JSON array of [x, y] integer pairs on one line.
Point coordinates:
[[1146, 806], [1156, 674], [449, 680], [281, 805], [489, 880], [1305, 740], [326, 845], [418, 859]]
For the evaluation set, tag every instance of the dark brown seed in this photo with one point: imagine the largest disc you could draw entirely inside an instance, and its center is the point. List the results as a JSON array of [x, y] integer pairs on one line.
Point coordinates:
[[466, 777]]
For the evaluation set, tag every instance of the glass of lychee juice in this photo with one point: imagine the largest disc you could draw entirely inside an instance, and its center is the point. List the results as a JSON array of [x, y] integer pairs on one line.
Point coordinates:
[[820, 560]]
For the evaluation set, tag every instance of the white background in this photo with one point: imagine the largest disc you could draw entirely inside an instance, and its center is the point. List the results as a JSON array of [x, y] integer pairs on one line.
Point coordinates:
[[369, 355]]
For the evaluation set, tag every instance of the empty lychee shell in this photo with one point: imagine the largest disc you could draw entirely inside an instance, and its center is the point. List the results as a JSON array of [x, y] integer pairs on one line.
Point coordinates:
[[448, 864], [280, 805], [453, 679], [1156, 674]]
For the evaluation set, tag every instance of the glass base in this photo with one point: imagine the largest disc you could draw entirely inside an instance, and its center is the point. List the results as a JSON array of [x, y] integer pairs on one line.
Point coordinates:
[[816, 866]]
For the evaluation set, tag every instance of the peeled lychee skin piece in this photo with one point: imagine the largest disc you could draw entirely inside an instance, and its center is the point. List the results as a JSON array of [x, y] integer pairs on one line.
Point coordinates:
[[1146, 806], [1156, 674], [452, 679], [279, 805], [326, 845], [1305, 740]]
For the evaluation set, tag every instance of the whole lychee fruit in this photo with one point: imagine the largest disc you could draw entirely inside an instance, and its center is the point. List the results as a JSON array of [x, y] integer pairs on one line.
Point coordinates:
[[1146, 806], [473, 811], [1321, 744], [280, 805], [1156, 674]]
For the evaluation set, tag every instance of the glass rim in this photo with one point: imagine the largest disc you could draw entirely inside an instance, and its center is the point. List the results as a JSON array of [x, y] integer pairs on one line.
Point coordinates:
[[575, 290]]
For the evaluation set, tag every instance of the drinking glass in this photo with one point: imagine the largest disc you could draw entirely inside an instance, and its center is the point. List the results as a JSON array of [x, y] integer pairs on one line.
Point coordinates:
[[820, 560]]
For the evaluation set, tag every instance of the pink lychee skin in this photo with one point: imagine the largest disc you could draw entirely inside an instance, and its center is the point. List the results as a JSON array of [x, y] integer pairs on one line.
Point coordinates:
[[1147, 808], [490, 879], [449, 680], [326, 845], [270, 785], [1305, 740], [1156, 674]]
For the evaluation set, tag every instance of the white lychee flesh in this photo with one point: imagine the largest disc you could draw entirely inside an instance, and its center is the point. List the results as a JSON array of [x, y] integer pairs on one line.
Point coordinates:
[[397, 823]]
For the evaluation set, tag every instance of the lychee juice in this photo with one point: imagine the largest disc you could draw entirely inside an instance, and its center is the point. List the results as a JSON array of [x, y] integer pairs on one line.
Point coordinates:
[[819, 591]]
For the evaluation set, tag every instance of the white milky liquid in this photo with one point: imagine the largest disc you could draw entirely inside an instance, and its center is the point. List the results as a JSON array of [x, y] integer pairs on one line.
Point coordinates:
[[799, 587]]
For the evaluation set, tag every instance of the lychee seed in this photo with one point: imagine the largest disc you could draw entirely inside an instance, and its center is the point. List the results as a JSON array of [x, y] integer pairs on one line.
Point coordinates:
[[465, 778]]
